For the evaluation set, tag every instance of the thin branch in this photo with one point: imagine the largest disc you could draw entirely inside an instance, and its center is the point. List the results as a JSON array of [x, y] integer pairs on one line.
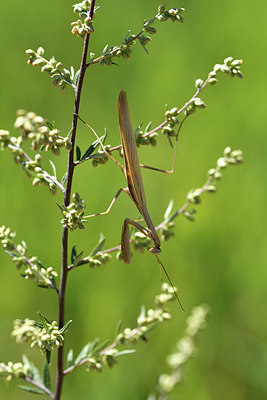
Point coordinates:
[[33, 267], [39, 386], [96, 60]]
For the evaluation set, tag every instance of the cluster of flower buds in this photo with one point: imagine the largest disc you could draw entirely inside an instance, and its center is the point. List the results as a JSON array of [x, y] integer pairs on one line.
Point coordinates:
[[6, 237], [141, 241], [35, 128], [83, 26], [4, 139], [61, 76], [185, 349], [171, 116], [33, 268], [167, 231], [174, 14], [194, 196], [73, 214], [13, 370], [98, 259], [142, 140], [194, 104], [100, 158], [44, 336], [148, 318], [230, 67], [32, 167]]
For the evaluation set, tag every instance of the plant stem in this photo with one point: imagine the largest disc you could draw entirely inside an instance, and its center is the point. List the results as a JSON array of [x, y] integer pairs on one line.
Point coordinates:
[[64, 265], [39, 386]]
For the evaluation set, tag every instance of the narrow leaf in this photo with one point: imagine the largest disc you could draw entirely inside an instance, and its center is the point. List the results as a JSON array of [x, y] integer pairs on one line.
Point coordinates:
[[48, 356], [138, 129], [76, 77], [44, 320], [62, 208], [32, 369], [24, 244], [50, 126], [31, 389], [118, 329], [93, 146], [99, 246], [54, 168], [143, 46], [168, 210], [46, 376], [121, 353], [148, 126], [77, 259], [78, 153], [93, 346], [65, 327], [169, 140], [100, 348], [44, 286], [73, 254], [63, 180], [72, 72], [83, 354], [70, 359]]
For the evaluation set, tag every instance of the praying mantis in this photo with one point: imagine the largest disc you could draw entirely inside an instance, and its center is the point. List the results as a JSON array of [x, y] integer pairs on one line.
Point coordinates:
[[135, 187]]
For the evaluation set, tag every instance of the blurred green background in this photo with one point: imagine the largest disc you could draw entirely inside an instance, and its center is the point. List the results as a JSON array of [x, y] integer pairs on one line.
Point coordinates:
[[219, 260]]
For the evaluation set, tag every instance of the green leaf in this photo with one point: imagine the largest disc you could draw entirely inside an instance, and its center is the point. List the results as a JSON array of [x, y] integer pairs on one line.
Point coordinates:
[[100, 348], [73, 254], [63, 180], [54, 168], [77, 260], [121, 353], [43, 286], [62, 78], [118, 329], [83, 354], [78, 153], [93, 146], [50, 126], [65, 327], [48, 356], [72, 72], [148, 126], [70, 359], [93, 346], [140, 41], [168, 210], [76, 77], [61, 207], [32, 369], [46, 376], [169, 140], [99, 246], [44, 320], [31, 389]]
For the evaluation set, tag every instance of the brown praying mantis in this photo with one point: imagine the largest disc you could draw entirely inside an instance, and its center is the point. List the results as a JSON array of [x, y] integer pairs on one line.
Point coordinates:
[[135, 188]]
